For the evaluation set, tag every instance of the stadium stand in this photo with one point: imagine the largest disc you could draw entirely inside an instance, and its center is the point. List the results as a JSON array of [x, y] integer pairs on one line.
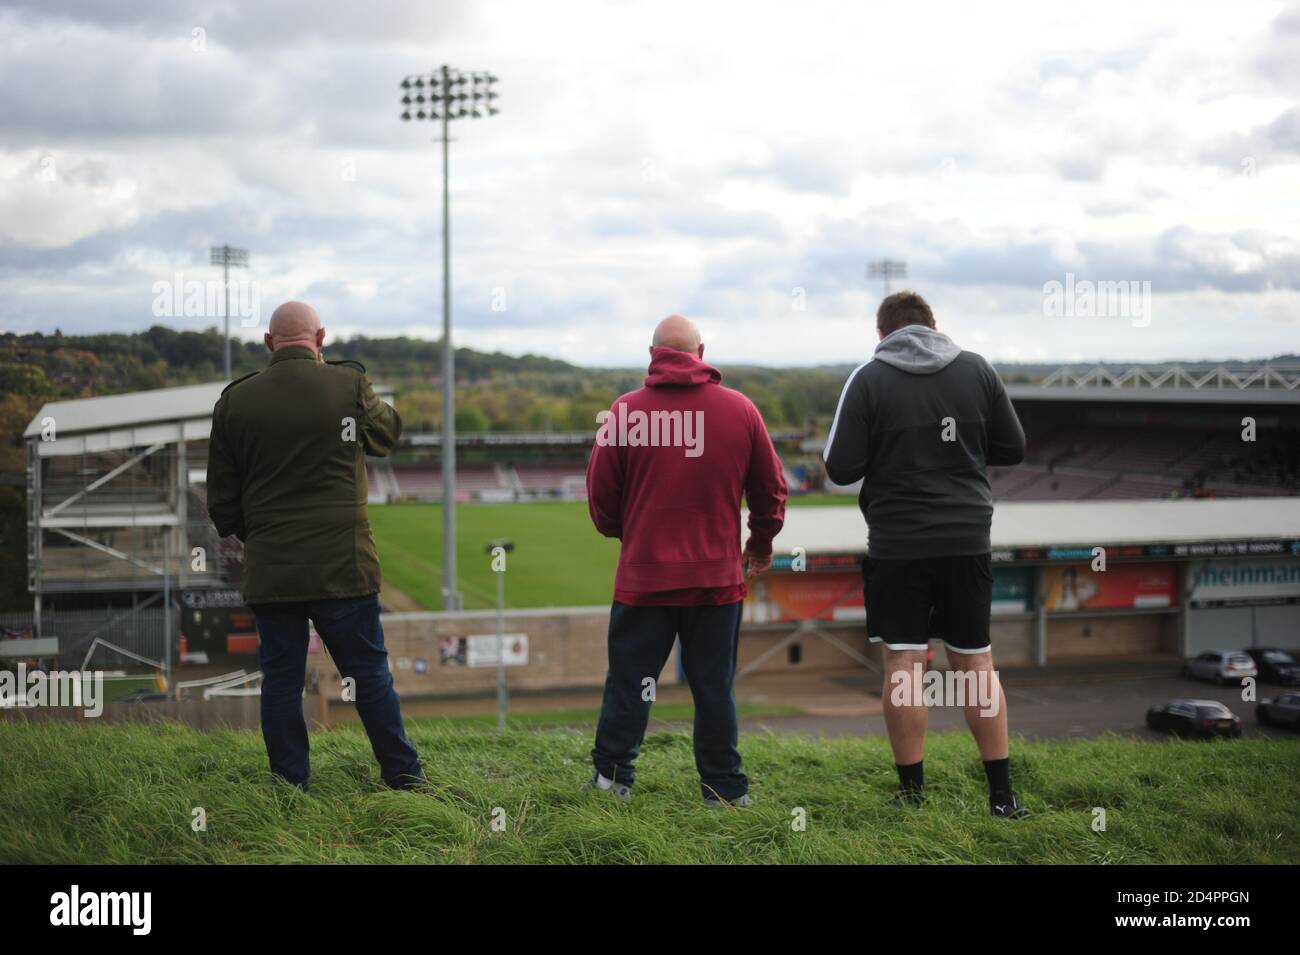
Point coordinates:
[[1125, 462], [482, 482], [1152, 434]]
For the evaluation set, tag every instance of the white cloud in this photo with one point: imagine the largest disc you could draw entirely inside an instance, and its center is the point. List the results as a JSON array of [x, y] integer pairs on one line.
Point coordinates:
[[659, 157]]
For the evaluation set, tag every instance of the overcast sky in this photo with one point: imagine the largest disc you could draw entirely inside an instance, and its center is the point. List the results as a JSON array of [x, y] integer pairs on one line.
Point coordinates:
[[738, 163]]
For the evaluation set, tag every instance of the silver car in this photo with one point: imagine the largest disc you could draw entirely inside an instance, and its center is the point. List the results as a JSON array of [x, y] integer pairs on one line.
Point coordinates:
[[1220, 666]]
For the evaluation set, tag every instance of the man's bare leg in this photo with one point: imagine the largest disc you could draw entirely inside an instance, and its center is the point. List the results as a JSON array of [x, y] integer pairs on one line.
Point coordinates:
[[986, 716], [904, 719]]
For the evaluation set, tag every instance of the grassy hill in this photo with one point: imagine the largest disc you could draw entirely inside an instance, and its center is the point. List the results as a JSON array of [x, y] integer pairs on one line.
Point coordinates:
[[78, 793]]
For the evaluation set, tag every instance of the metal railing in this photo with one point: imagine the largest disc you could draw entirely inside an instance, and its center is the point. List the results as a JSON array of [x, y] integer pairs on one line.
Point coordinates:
[[140, 631], [1242, 377]]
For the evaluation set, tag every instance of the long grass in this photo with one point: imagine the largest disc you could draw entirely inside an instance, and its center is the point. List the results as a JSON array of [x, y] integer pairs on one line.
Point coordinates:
[[74, 793]]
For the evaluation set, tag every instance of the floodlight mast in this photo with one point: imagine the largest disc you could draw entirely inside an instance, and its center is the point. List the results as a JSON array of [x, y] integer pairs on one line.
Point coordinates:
[[227, 257], [447, 100], [886, 269]]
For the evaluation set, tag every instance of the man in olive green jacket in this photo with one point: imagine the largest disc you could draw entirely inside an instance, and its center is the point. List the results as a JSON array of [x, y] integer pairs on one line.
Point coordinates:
[[287, 476]]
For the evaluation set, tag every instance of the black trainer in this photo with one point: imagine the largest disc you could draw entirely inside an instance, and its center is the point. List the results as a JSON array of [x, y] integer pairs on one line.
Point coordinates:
[[1007, 806]]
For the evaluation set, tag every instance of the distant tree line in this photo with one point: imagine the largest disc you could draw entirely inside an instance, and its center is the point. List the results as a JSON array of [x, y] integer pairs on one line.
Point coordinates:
[[495, 392]]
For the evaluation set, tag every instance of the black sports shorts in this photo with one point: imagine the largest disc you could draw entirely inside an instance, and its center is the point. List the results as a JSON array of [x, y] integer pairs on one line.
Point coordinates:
[[911, 602]]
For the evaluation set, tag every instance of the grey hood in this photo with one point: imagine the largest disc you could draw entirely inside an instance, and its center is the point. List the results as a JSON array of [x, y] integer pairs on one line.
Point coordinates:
[[917, 349]]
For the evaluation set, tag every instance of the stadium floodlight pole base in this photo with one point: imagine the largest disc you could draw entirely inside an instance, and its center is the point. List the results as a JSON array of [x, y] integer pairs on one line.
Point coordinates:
[[499, 549], [501, 651]]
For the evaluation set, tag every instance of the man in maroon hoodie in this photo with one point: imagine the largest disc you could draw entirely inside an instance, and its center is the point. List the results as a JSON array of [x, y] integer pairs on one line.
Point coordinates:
[[666, 476]]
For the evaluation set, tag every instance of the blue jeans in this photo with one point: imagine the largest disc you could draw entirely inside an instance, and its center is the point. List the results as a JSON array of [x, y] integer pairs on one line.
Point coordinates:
[[640, 640], [350, 629]]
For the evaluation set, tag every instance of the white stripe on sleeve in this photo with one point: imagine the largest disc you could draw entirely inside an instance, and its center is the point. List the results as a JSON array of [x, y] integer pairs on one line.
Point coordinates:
[[830, 438]]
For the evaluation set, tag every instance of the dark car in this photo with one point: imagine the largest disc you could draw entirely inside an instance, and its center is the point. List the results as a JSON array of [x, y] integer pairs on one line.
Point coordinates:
[[1275, 666], [1282, 710], [1203, 719]]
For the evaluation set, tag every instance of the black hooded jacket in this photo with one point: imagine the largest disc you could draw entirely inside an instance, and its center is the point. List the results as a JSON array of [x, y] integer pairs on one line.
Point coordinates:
[[919, 424]]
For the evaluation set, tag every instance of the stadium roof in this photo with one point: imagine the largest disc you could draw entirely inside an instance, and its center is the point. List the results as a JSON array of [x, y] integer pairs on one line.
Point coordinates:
[[1066, 524], [1227, 383], [135, 419], [113, 422], [1209, 396], [130, 410]]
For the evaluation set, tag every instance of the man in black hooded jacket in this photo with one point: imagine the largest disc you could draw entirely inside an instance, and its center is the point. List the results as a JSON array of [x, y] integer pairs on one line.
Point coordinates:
[[918, 425]]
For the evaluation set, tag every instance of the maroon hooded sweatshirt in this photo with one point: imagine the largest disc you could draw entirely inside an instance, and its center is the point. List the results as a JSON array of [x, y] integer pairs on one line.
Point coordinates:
[[666, 475]]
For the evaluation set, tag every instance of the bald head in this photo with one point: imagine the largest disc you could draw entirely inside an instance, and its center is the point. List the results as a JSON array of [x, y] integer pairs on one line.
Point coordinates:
[[295, 325], [679, 334]]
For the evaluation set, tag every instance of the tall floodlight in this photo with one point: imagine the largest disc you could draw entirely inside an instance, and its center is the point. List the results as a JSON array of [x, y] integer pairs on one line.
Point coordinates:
[[443, 96], [886, 269], [228, 257]]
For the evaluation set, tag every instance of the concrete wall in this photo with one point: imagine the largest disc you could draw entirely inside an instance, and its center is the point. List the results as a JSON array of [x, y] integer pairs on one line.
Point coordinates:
[[814, 652], [566, 648], [1075, 636], [1013, 640]]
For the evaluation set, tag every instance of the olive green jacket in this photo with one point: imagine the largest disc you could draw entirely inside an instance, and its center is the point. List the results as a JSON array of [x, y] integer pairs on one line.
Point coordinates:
[[287, 476]]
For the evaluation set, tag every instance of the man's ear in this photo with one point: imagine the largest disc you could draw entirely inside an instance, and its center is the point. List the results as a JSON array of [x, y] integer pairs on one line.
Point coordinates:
[[270, 342], [700, 352], [880, 333], [320, 337]]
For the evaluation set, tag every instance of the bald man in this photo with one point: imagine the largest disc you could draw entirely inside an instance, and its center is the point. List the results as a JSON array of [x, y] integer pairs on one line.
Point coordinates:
[[670, 465], [679, 334], [295, 325], [287, 476]]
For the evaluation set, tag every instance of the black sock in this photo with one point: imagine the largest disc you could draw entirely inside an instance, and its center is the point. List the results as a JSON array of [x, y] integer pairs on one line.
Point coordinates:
[[911, 777], [998, 772]]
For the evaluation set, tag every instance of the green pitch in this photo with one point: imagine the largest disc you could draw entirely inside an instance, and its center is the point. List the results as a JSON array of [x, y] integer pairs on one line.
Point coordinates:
[[559, 559]]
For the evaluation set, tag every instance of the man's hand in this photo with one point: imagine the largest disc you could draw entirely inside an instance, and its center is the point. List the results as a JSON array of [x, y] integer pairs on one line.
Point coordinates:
[[755, 565]]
